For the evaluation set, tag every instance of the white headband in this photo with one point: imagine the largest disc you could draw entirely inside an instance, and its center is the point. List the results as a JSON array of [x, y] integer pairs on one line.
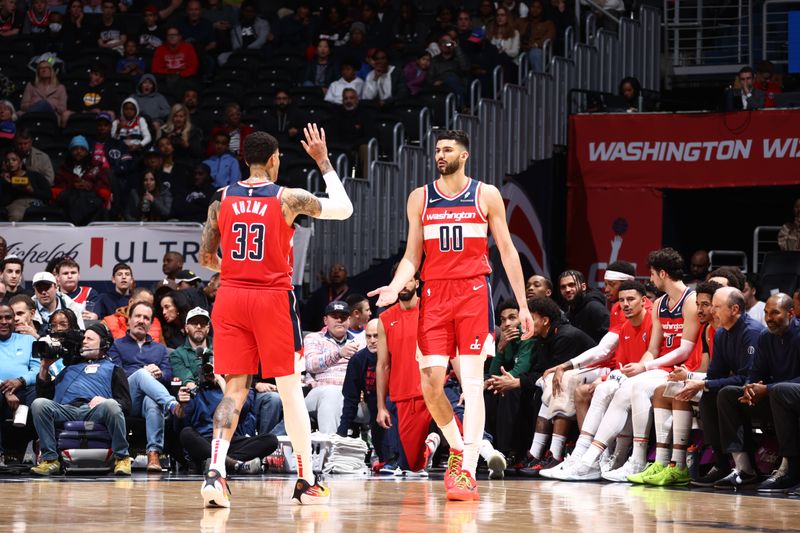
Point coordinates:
[[613, 275]]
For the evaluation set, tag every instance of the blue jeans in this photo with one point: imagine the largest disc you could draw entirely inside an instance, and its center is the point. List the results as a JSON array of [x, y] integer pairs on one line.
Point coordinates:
[[151, 400], [47, 412], [536, 59], [268, 409], [26, 396]]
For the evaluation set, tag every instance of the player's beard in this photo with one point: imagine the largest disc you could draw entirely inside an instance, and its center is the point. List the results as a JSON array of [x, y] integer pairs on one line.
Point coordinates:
[[405, 296], [451, 167]]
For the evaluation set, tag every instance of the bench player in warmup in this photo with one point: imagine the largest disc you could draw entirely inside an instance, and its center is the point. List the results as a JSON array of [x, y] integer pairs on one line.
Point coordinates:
[[449, 221], [251, 221]]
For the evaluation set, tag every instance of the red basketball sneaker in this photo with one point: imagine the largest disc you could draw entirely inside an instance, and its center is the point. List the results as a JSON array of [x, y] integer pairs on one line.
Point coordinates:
[[215, 490], [308, 494], [453, 467], [464, 488]]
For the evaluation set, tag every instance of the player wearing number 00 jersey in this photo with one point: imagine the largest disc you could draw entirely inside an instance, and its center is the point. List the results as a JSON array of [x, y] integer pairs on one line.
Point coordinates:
[[255, 319], [449, 222]]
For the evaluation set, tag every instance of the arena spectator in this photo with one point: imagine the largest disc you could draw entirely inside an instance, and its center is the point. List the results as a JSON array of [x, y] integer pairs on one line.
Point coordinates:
[[146, 364], [131, 63], [175, 58], [151, 34], [443, 19], [152, 104], [150, 201], [11, 277], [167, 168], [283, 120], [131, 127], [766, 82], [408, 29], [728, 276], [743, 96], [562, 13], [48, 299], [37, 19], [359, 386], [10, 20], [45, 93], [512, 433], [416, 73], [585, 309], [111, 153], [95, 95], [18, 369], [296, 29], [3, 249], [323, 69], [778, 361], [516, 9], [197, 30], [82, 184], [485, 13], [224, 166], [502, 34], [8, 123], [356, 46], [699, 265], [191, 204], [334, 26], [68, 277], [250, 33], [789, 234], [360, 315], [349, 80], [755, 308], [76, 34], [94, 390], [538, 28], [24, 316], [538, 287], [171, 266], [35, 160], [334, 288], [109, 32], [223, 17], [237, 130], [327, 355], [384, 84], [118, 322], [122, 278], [186, 359], [171, 317], [21, 188], [449, 68], [631, 92], [185, 138]]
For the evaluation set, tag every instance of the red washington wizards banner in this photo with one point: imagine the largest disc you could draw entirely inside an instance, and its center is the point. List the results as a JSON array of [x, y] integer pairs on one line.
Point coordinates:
[[619, 162]]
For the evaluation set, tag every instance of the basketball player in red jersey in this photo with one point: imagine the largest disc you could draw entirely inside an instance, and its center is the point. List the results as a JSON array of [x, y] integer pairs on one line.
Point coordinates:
[[449, 221], [254, 317]]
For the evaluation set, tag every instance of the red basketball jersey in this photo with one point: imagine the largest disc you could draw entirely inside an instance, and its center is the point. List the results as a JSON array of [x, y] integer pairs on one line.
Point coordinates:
[[256, 242], [456, 234], [400, 326], [633, 341], [696, 357]]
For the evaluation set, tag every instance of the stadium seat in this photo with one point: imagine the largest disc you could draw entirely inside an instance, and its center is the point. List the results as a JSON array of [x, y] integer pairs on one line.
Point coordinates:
[[81, 124], [779, 271], [296, 174], [307, 96], [38, 122]]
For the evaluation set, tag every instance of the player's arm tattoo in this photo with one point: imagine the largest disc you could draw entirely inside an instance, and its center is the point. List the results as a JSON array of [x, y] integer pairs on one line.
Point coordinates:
[[300, 202], [325, 166], [209, 242], [224, 415]]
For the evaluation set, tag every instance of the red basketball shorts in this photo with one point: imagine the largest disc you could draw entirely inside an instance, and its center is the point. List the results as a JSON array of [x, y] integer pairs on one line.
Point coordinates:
[[456, 317], [256, 326], [413, 425]]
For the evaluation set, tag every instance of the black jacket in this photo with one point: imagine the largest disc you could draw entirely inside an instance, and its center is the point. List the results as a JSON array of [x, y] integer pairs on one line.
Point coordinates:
[[360, 378], [589, 314], [563, 342]]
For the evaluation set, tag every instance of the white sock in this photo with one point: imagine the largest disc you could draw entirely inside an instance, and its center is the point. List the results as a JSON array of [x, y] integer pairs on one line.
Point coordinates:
[[474, 409], [453, 435], [640, 450], [663, 421], [742, 461], [784, 465], [557, 446], [486, 450], [622, 447], [539, 442], [681, 431], [298, 425], [584, 441], [219, 452], [592, 454]]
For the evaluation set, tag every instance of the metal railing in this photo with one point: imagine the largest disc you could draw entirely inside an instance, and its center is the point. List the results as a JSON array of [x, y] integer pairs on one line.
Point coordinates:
[[737, 258], [520, 124], [765, 240], [775, 29]]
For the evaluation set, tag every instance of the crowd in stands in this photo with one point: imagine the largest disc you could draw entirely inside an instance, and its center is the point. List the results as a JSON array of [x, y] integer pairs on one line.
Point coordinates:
[[147, 354], [134, 110]]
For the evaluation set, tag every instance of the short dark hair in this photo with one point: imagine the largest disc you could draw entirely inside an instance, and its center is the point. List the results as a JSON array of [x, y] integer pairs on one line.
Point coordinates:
[[67, 262], [734, 276], [622, 266], [545, 307], [121, 266], [707, 287], [754, 280], [354, 299], [259, 147], [139, 290], [668, 260], [459, 136], [12, 260], [509, 303], [24, 133], [744, 70], [24, 298], [633, 285], [221, 133]]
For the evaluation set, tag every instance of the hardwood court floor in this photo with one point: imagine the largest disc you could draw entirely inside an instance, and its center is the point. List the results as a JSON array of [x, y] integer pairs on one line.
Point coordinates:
[[173, 504]]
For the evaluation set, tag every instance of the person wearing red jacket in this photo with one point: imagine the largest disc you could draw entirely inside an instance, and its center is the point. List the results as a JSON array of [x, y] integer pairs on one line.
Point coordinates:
[[175, 57], [234, 128], [81, 187]]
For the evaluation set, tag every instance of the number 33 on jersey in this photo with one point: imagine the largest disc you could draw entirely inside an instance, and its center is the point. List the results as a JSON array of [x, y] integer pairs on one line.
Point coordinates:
[[455, 232], [256, 237]]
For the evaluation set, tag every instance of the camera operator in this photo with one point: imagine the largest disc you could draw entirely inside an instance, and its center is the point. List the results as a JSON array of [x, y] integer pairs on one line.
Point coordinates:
[[90, 387], [196, 349], [146, 363], [17, 368], [246, 453], [48, 299]]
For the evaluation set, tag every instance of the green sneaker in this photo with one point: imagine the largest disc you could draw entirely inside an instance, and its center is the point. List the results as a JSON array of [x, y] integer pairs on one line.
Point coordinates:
[[651, 470], [47, 468], [671, 475]]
